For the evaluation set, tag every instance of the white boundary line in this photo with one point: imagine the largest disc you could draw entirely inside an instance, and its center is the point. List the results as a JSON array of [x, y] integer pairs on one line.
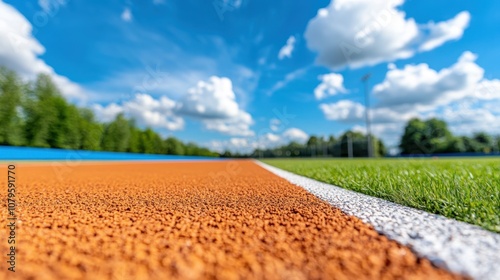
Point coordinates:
[[456, 246]]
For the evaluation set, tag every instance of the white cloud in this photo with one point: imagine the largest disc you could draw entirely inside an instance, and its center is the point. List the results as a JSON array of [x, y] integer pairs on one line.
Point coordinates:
[[264, 141], [296, 135], [106, 113], [465, 118], [351, 112], [359, 128], [440, 33], [487, 90], [215, 103], [367, 32], [126, 15], [272, 138], [147, 111], [287, 49], [275, 124], [20, 51], [344, 110], [238, 125], [211, 102], [419, 86], [239, 142], [212, 99], [288, 79], [50, 6], [331, 84]]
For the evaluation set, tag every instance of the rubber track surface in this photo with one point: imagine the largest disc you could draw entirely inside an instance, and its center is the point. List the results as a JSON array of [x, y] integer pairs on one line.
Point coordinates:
[[201, 220]]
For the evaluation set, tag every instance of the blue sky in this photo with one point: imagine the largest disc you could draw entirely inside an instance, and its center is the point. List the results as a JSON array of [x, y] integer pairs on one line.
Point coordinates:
[[240, 74]]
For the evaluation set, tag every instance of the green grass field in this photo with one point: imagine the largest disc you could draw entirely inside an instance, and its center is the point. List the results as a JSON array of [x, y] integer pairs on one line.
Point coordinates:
[[465, 189]]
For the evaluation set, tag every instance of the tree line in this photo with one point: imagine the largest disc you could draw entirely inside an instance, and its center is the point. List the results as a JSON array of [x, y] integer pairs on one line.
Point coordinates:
[[433, 136], [350, 143], [420, 137], [36, 114]]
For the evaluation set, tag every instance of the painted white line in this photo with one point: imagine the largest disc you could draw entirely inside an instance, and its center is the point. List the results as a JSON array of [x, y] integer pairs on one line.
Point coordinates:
[[456, 246]]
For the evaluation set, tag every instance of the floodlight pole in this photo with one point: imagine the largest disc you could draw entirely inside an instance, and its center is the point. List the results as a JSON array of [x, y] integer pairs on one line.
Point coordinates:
[[365, 79]]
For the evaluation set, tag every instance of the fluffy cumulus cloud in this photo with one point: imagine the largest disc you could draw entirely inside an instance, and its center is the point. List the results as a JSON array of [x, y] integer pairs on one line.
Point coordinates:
[[212, 102], [212, 99], [331, 84], [20, 51], [147, 111], [279, 138], [419, 86], [351, 112], [296, 135], [155, 113], [366, 32], [466, 117], [459, 94], [215, 103], [107, 113], [344, 110], [239, 125], [287, 50]]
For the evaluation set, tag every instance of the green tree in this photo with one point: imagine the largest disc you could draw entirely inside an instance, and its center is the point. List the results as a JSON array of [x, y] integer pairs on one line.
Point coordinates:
[[380, 149], [313, 141], [116, 135], [90, 131], [42, 115], [439, 135], [174, 146], [412, 137], [331, 145], [485, 140], [227, 154], [425, 137], [150, 142], [471, 145], [456, 145], [135, 145], [11, 97], [191, 149], [341, 149], [65, 132], [359, 145]]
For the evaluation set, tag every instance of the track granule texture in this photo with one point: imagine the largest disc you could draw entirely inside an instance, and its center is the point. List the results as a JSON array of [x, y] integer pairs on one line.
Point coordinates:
[[211, 220]]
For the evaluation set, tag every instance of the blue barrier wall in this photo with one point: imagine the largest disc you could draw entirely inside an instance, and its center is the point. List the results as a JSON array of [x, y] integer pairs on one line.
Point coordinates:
[[27, 153]]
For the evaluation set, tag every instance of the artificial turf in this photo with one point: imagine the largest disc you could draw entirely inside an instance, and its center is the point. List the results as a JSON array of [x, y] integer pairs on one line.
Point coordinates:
[[465, 189]]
